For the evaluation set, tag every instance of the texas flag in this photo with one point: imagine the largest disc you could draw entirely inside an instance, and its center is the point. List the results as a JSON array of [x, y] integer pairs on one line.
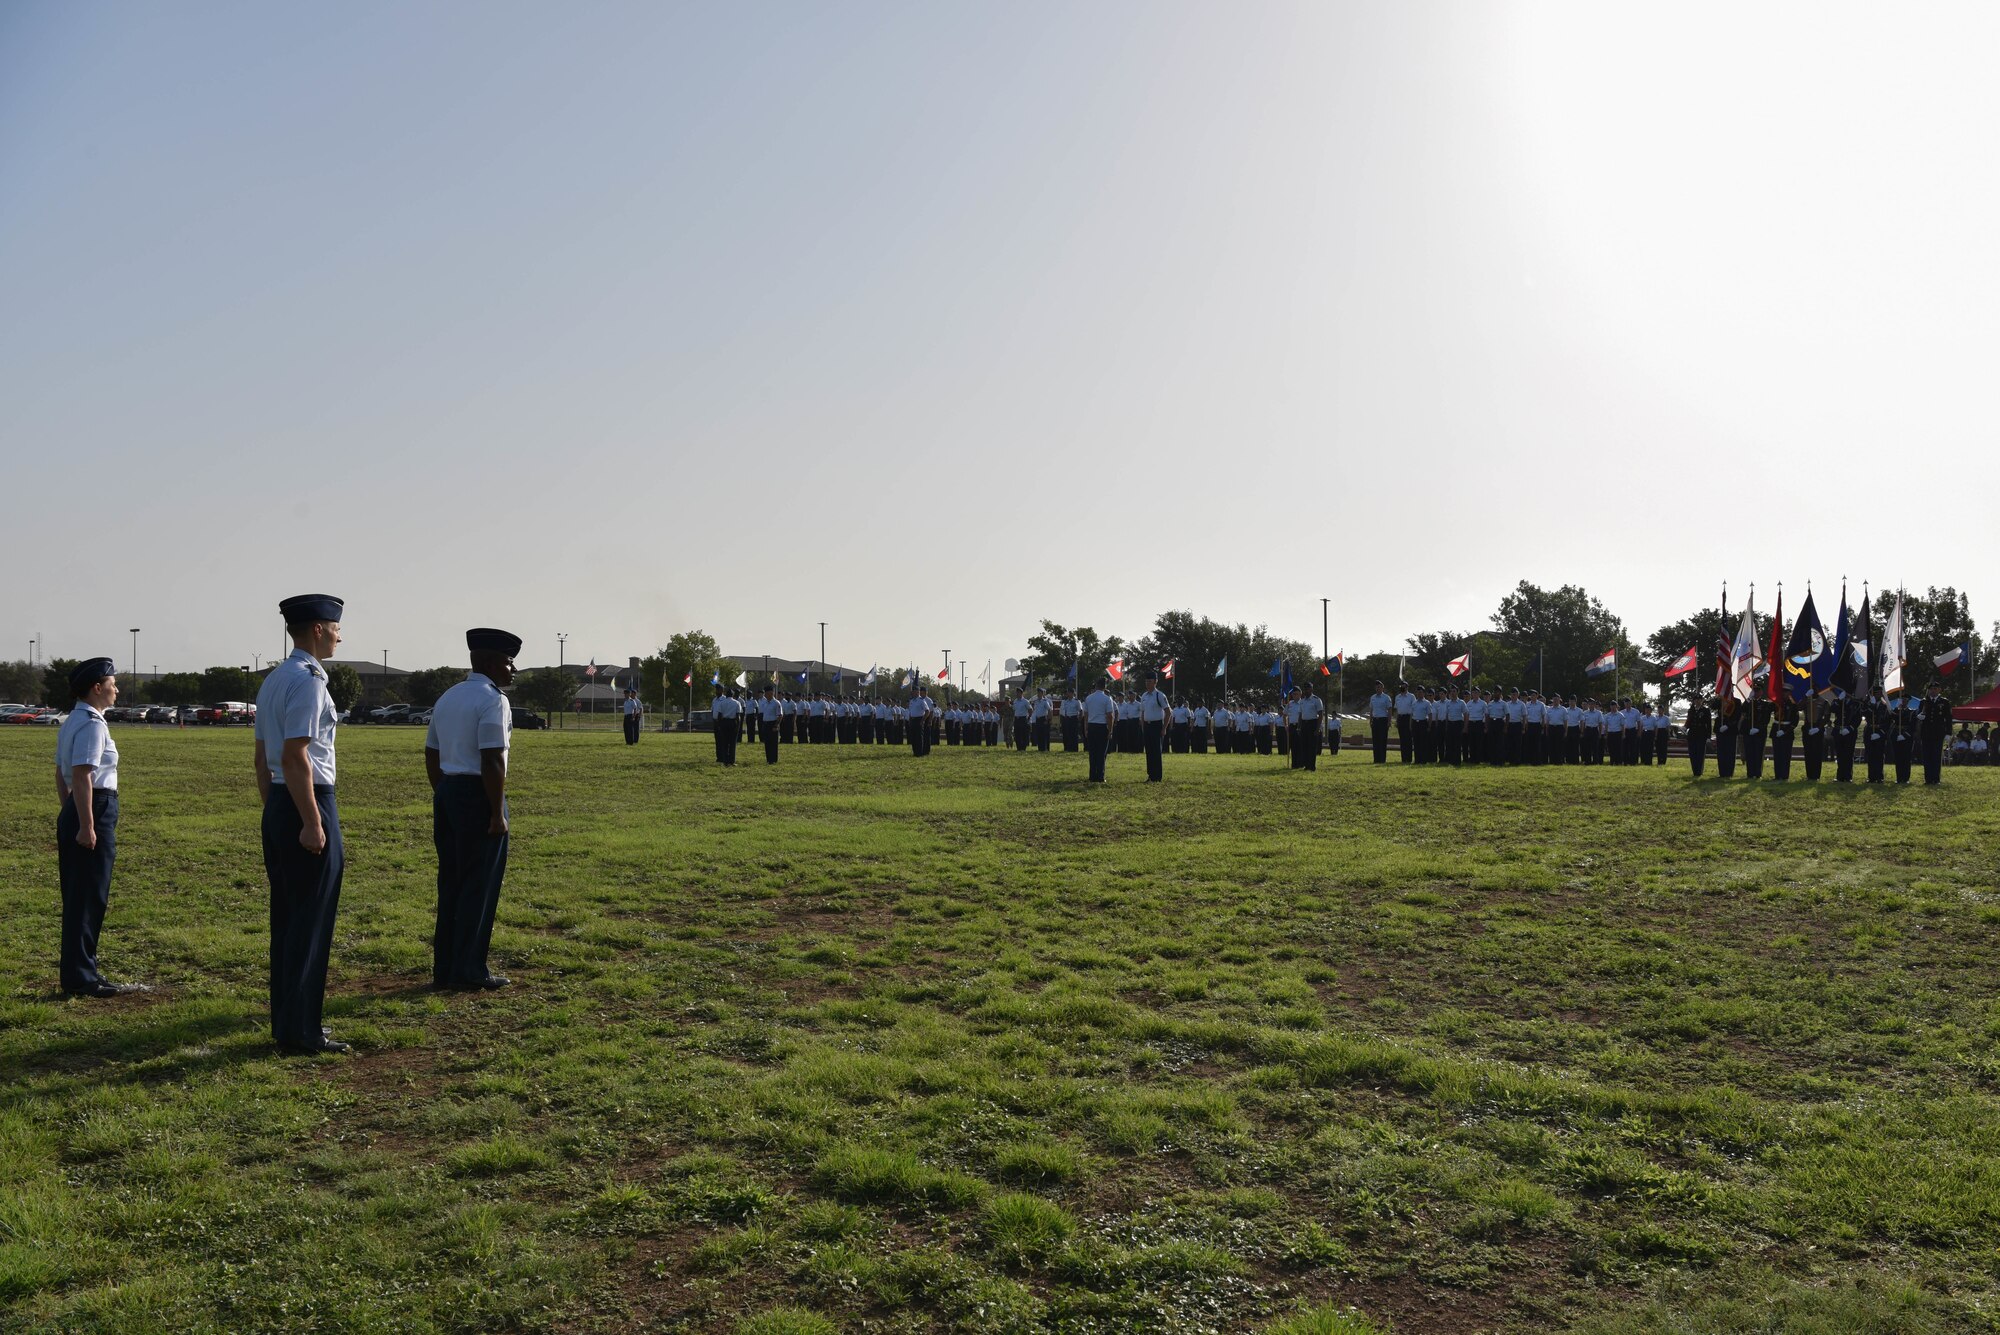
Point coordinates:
[[1685, 663], [1603, 663], [1947, 664], [1115, 669], [1459, 666], [1168, 670]]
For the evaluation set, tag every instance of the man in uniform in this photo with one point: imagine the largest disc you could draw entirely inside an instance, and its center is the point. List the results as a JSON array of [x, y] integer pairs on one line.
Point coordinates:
[[632, 716], [1757, 720], [1098, 715], [1406, 721], [1699, 723], [1183, 720], [1072, 720], [1038, 720], [1934, 726], [725, 716], [465, 756], [918, 714], [1877, 724], [303, 853], [1306, 733], [1380, 706], [1022, 709], [1198, 729], [1784, 728], [1153, 710], [769, 710], [1843, 721]]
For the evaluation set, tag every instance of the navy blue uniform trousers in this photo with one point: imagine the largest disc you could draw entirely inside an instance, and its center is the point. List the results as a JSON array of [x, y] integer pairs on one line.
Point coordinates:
[[305, 895], [85, 874], [471, 864]]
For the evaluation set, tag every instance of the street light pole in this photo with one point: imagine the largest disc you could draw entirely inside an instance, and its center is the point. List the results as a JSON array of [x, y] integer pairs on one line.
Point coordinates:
[[562, 642], [135, 651], [822, 648]]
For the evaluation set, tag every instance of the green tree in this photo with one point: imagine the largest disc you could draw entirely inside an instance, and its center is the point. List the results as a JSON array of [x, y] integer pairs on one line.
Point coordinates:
[[178, 688], [55, 682], [423, 688], [1197, 646], [1569, 628], [1055, 647], [548, 689], [343, 683], [1934, 621], [20, 682], [690, 652], [228, 683]]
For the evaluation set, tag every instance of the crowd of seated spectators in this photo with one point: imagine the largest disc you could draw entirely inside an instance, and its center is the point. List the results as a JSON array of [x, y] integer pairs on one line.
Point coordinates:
[[1972, 748]]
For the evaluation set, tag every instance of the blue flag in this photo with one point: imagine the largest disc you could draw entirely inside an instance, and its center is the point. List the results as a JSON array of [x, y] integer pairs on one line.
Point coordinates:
[[836, 676], [715, 678], [1222, 667], [802, 678], [1277, 667], [1286, 687], [1072, 672]]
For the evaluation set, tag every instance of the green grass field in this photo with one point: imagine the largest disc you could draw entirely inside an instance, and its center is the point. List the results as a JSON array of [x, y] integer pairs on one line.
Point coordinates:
[[867, 1043]]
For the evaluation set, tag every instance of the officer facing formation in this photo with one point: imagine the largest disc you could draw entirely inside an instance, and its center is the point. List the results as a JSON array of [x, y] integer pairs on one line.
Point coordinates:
[[1153, 707], [1099, 712], [1380, 706], [87, 828], [303, 853], [465, 755], [634, 714]]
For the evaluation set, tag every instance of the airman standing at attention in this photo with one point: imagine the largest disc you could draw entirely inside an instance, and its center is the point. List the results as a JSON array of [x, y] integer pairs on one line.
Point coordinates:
[[1022, 711], [1933, 726], [465, 757], [634, 713], [1099, 713], [87, 828], [1038, 720], [1310, 722], [725, 716], [1072, 720], [303, 852], [1699, 724], [769, 711], [1153, 707], [1406, 721], [918, 716], [1380, 706], [1183, 721], [1198, 729]]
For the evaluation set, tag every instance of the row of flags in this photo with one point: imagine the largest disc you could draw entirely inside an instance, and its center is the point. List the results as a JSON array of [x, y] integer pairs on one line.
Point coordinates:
[[1811, 662]]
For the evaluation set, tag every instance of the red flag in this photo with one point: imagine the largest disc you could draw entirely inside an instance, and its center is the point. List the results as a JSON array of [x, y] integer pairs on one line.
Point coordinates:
[[1460, 665], [1168, 670], [688, 680], [944, 672], [1685, 663], [1776, 653], [1115, 669]]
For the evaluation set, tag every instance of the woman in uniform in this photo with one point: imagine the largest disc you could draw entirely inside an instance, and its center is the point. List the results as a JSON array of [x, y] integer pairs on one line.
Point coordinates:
[[87, 827]]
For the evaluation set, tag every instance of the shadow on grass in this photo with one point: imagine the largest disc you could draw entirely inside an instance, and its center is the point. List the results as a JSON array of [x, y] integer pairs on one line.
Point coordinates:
[[147, 1052]]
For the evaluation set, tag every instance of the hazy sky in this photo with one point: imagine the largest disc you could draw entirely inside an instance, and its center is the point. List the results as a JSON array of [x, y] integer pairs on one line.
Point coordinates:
[[932, 320]]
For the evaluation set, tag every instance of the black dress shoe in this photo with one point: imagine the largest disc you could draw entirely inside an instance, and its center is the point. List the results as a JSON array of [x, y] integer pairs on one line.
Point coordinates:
[[326, 1045], [106, 990]]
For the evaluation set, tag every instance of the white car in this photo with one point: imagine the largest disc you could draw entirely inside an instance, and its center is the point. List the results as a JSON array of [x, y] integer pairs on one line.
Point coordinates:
[[55, 720]]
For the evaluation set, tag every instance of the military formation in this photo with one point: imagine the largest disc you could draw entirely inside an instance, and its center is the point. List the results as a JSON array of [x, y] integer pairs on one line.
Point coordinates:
[[466, 753], [465, 758], [1442, 726]]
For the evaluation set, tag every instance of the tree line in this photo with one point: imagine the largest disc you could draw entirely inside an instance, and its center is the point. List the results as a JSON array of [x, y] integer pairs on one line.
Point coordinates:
[[1537, 638]]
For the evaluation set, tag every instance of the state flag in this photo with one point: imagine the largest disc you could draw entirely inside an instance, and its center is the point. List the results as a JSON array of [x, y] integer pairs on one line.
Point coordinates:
[[944, 673], [1332, 666], [1115, 669], [1222, 667], [1685, 663], [1803, 650], [1168, 670], [1602, 664], [688, 680], [1459, 666], [1946, 664]]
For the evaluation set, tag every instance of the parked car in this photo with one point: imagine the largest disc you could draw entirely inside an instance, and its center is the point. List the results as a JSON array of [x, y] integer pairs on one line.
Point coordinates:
[[162, 714], [529, 719], [25, 714], [50, 716], [391, 713], [420, 716]]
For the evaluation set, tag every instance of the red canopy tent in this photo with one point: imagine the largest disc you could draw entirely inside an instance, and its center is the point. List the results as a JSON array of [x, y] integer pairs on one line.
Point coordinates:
[[1986, 709]]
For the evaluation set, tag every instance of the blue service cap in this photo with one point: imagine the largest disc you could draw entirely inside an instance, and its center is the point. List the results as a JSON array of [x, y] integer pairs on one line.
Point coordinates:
[[498, 641], [310, 607], [88, 673]]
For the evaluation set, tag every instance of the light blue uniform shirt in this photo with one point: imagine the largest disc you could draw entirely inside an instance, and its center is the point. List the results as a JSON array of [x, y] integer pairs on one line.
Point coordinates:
[[85, 739], [1097, 708], [293, 703], [471, 717]]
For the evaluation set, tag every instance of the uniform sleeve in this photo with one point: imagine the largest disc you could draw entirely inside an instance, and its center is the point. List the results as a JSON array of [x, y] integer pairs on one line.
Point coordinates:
[[298, 715], [431, 735], [493, 721]]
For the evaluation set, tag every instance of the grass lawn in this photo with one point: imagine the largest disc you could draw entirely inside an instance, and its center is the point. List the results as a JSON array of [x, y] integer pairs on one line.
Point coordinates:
[[863, 1043]]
